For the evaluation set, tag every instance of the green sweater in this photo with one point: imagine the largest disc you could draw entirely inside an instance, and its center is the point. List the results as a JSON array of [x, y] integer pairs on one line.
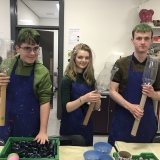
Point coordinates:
[[42, 82]]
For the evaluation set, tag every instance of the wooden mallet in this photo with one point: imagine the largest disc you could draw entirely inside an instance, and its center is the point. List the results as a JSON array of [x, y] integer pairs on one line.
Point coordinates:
[[87, 117]]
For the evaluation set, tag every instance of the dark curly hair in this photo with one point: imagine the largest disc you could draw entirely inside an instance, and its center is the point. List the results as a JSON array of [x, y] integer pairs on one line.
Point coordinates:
[[28, 35]]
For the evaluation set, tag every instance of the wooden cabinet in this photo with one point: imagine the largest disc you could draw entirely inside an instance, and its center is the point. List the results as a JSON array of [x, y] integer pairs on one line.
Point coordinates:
[[102, 119]]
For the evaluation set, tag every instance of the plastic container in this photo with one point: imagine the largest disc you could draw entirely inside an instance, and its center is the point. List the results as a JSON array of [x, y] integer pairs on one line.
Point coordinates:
[[103, 147], [92, 155], [146, 156], [7, 148]]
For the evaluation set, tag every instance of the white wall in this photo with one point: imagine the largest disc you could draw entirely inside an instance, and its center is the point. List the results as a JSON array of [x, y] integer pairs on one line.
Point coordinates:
[[104, 25], [5, 19]]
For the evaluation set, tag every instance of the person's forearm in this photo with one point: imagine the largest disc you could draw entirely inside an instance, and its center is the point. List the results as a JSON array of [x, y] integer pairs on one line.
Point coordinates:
[[44, 116], [156, 96], [71, 106], [119, 99]]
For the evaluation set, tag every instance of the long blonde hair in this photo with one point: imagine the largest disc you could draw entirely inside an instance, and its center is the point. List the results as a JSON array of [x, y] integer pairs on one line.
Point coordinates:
[[88, 73]]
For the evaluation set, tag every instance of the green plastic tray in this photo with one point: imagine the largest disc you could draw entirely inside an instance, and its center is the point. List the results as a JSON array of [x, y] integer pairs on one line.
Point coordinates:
[[7, 148], [145, 156]]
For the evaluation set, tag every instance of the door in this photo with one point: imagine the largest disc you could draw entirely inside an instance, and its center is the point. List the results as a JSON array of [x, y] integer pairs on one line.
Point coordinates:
[[47, 44]]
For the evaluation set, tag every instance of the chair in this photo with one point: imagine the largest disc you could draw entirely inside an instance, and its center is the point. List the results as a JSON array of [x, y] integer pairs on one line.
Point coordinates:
[[70, 140]]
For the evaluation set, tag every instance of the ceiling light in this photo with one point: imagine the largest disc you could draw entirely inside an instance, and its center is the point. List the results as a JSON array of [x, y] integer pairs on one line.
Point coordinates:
[[25, 20]]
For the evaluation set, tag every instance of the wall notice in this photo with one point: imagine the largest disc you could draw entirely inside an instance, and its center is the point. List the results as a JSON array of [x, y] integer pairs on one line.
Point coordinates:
[[74, 38]]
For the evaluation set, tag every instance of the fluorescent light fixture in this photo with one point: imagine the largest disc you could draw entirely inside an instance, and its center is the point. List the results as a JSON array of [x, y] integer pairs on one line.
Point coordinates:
[[25, 20], [57, 6]]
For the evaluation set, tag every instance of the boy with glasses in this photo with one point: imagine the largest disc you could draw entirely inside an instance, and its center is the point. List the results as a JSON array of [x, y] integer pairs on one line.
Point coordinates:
[[28, 91]]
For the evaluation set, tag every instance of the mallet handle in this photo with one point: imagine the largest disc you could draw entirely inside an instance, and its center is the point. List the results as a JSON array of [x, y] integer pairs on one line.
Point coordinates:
[[136, 122], [2, 105], [90, 109]]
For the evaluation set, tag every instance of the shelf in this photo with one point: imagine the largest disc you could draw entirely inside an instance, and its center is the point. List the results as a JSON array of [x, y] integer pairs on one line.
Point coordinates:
[[156, 27], [155, 42]]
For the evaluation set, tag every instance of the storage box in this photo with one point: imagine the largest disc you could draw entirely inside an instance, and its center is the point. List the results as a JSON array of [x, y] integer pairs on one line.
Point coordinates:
[[145, 156], [7, 149]]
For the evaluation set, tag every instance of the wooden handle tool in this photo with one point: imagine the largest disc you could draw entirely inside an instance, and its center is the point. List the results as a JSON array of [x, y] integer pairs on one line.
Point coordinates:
[[90, 109], [136, 122], [2, 105]]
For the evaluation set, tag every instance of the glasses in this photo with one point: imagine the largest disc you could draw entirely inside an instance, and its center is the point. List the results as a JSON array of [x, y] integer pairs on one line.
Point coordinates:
[[29, 49]]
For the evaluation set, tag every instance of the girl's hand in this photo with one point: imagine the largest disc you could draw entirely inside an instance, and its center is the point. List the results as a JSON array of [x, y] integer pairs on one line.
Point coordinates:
[[91, 97]]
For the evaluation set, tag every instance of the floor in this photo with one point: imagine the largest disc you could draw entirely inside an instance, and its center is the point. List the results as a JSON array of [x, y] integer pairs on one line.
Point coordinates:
[[54, 124]]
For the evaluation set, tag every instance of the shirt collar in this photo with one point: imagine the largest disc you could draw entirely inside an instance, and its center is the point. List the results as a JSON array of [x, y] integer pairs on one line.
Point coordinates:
[[137, 62]]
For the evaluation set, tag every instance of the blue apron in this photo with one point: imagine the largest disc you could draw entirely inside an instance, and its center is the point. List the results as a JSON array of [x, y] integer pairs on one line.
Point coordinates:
[[123, 120], [72, 123], [22, 107]]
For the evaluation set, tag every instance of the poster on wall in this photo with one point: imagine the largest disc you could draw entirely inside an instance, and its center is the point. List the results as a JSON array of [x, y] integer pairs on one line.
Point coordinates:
[[40, 56], [74, 39]]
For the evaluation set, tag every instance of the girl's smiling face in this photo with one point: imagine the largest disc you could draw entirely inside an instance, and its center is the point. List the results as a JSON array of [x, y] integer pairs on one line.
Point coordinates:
[[81, 60]]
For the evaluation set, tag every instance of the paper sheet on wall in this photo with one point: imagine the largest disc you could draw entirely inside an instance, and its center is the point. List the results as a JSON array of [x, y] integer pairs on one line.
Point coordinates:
[[40, 56], [74, 39]]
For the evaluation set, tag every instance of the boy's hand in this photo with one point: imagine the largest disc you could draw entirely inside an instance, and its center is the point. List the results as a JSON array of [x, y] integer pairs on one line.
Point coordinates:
[[4, 79]]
